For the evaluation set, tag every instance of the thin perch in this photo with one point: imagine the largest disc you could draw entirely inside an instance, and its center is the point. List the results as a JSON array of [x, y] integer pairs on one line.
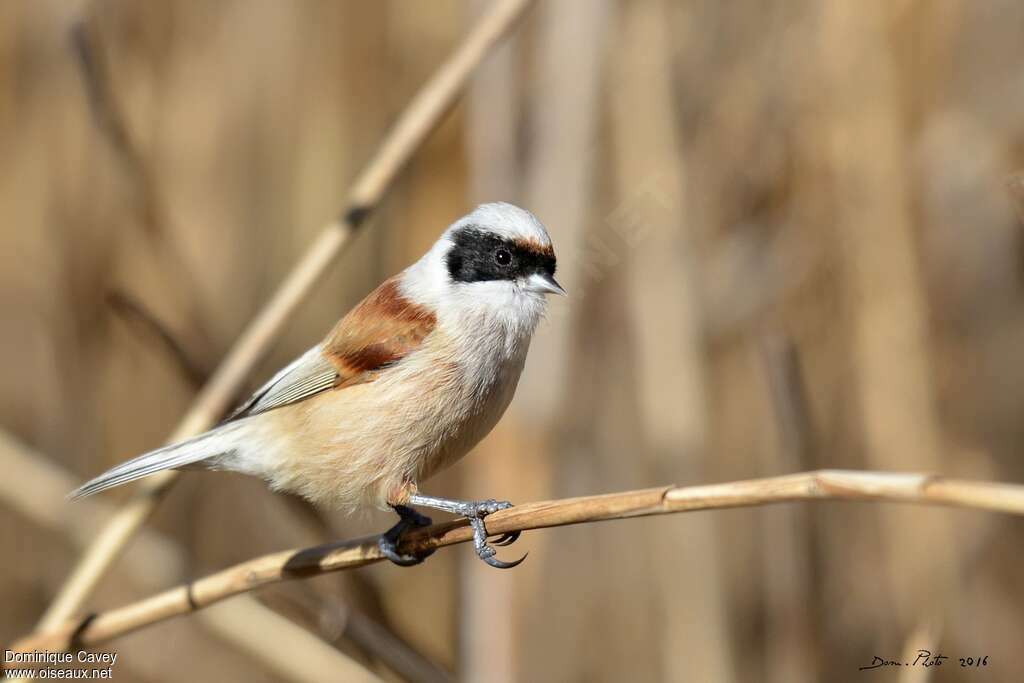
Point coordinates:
[[304, 563]]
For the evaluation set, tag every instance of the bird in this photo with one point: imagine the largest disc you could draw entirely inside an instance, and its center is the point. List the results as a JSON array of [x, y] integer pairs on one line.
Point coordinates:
[[403, 386]]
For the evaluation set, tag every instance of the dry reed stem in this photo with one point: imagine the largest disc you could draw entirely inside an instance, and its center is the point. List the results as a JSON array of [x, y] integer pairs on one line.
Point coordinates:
[[420, 117], [305, 563]]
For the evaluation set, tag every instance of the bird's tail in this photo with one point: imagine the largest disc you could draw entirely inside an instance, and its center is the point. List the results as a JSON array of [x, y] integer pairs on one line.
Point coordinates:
[[209, 445]]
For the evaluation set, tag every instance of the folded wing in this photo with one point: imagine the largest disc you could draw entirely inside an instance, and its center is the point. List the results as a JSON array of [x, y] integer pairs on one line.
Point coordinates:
[[384, 328]]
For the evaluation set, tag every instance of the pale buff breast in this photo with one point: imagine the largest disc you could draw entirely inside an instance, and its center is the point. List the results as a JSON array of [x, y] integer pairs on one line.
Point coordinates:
[[371, 443]]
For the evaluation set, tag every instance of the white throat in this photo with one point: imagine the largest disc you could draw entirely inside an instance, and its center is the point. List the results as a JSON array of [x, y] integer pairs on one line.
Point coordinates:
[[494, 318], [490, 316]]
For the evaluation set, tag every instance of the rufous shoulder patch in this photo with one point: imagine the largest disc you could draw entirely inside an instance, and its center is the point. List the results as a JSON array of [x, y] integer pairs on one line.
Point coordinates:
[[384, 328]]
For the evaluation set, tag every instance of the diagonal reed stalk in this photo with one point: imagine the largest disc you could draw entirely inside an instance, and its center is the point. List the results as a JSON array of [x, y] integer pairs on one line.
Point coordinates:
[[309, 562], [420, 117]]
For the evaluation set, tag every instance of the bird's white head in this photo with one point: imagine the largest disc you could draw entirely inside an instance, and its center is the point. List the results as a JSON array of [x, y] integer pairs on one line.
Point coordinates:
[[495, 262]]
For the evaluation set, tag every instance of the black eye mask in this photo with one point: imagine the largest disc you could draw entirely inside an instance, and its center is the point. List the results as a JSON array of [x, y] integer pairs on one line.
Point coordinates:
[[478, 256]]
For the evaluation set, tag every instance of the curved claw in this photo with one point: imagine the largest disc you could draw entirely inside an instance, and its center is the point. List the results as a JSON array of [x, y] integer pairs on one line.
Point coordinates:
[[484, 551], [388, 542], [389, 549], [501, 564], [507, 539]]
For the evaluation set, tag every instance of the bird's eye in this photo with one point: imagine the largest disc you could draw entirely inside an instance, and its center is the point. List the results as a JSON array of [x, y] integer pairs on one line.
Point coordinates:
[[502, 257]]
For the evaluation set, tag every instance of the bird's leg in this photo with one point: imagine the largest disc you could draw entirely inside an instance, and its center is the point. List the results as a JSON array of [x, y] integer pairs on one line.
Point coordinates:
[[474, 511], [388, 542]]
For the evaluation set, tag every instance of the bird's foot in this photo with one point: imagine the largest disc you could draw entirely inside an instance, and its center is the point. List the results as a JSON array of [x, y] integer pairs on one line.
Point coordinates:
[[475, 512], [389, 540]]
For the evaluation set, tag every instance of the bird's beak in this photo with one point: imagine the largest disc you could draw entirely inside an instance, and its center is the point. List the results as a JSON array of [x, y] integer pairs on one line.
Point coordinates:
[[543, 283]]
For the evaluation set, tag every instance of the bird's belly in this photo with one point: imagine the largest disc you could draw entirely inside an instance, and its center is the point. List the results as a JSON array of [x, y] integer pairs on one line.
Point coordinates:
[[463, 431], [367, 443]]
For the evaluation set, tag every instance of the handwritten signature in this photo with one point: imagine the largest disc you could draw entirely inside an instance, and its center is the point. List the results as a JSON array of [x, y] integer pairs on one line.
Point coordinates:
[[925, 658]]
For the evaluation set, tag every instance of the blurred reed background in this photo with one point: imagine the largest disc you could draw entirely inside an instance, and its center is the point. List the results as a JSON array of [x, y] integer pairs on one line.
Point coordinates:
[[789, 242]]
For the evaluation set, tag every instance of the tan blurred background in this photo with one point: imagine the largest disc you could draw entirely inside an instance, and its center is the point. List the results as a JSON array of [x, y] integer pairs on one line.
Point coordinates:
[[789, 243]]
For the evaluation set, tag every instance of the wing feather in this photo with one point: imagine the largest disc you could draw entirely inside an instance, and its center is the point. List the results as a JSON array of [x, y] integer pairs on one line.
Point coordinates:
[[383, 329], [306, 376]]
